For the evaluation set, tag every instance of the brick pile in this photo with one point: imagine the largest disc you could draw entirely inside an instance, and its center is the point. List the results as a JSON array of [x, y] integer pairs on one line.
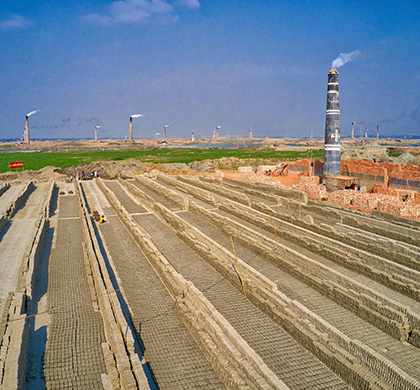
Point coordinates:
[[400, 208], [368, 201], [315, 192], [256, 178], [401, 171], [389, 200], [302, 163], [357, 199], [308, 179], [364, 167], [413, 196], [365, 201], [389, 203], [379, 189], [341, 198]]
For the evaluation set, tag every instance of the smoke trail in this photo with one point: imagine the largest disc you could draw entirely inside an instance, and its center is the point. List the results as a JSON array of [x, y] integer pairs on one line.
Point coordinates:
[[136, 116], [343, 58], [32, 112], [173, 124]]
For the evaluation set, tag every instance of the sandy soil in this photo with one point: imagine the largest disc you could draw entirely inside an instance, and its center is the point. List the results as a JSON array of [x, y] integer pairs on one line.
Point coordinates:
[[281, 143]]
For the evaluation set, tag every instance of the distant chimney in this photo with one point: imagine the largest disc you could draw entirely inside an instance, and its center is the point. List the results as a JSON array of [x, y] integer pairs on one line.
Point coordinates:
[[131, 129], [352, 130], [26, 139], [250, 133], [377, 132], [217, 132], [96, 133], [164, 131], [332, 151]]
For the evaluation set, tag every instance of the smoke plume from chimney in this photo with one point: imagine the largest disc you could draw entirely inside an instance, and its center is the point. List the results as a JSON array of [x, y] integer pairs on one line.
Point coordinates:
[[344, 58]]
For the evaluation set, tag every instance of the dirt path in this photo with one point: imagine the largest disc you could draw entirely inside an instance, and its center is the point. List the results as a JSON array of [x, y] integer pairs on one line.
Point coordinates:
[[18, 236], [9, 196], [73, 355]]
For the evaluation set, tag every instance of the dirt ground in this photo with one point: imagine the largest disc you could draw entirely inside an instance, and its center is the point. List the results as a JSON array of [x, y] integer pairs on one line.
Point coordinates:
[[383, 199]]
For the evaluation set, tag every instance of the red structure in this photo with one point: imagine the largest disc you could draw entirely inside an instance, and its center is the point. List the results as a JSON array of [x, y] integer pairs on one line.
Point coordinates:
[[16, 164]]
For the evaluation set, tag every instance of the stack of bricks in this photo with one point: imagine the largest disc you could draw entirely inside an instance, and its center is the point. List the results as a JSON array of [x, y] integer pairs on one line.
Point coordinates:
[[315, 192], [365, 201], [387, 200], [383, 202], [388, 170], [341, 198], [410, 195], [400, 208], [308, 179], [252, 177]]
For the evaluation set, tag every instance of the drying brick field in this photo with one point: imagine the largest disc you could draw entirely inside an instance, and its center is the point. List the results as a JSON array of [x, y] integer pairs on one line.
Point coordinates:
[[197, 282]]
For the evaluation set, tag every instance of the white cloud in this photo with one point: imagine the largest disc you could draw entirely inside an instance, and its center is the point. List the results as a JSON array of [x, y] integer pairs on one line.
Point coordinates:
[[15, 22], [190, 3], [136, 11]]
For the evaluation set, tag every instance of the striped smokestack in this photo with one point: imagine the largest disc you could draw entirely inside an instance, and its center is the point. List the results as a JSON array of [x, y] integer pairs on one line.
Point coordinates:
[[131, 128], [332, 157], [26, 137]]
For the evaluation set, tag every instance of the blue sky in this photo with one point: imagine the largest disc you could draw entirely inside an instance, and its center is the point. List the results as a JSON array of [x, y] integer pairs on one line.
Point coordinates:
[[196, 64]]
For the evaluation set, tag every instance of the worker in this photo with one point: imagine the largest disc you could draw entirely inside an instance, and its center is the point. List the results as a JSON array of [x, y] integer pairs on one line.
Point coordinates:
[[102, 219]]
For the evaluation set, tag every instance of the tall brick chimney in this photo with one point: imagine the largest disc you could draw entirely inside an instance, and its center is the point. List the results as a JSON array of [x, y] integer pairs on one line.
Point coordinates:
[[26, 139], [332, 151]]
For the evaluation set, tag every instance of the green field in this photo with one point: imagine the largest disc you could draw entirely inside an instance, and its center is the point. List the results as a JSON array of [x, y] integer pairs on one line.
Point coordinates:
[[38, 160]]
